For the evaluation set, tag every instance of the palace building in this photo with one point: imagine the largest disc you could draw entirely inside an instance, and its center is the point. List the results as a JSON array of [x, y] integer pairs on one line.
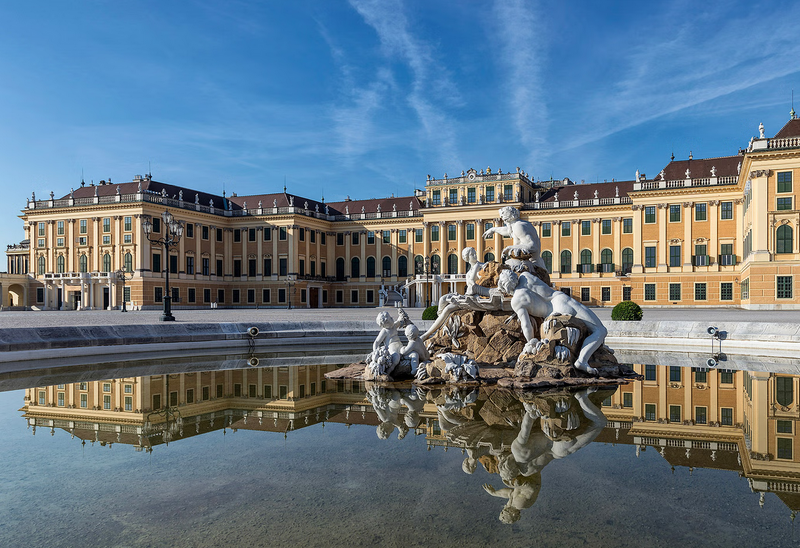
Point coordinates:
[[702, 232]]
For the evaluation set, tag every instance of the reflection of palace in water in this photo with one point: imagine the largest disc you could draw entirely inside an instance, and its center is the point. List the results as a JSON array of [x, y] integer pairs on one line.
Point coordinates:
[[696, 418]]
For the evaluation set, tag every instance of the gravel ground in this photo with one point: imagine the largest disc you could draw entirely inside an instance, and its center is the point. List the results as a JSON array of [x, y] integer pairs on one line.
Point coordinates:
[[9, 319]]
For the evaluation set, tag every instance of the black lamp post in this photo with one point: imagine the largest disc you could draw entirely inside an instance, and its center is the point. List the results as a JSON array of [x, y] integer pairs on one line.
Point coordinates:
[[121, 276], [173, 230], [289, 287]]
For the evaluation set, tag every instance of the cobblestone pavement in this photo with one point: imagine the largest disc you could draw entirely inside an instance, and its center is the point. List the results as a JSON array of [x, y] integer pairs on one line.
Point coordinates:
[[11, 319]]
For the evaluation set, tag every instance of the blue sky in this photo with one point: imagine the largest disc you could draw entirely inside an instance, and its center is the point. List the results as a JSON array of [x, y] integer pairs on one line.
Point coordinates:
[[366, 97]]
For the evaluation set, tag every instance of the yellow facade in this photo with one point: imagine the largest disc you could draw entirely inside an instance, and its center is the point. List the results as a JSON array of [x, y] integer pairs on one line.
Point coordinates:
[[703, 232]]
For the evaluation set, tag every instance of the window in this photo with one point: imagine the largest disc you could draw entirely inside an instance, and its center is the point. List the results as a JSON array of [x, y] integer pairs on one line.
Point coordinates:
[[282, 233], [784, 448], [204, 232], [106, 402], [237, 235], [627, 259], [370, 238], [126, 238], [627, 226], [470, 231], [508, 193], [566, 262], [61, 399], [784, 390], [785, 181], [251, 267], [283, 266], [355, 267], [313, 234], [784, 287], [301, 264], [370, 267], [674, 255], [435, 233], [451, 233], [220, 295], [219, 234], [649, 411], [471, 195], [607, 260], [650, 257], [650, 372], [726, 256], [106, 241], [60, 264], [626, 293], [60, 228], [784, 427], [402, 266], [725, 376], [700, 374], [354, 296], [402, 235], [606, 226], [627, 399], [41, 242], [726, 291], [41, 266], [267, 267], [488, 257], [370, 296], [339, 296], [700, 414], [205, 266], [251, 296], [84, 401], [586, 228], [675, 373], [189, 265], [585, 294], [675, 292], [486, 227], [546, 230], [83, 263], [605, 294], [173, 264], [191, 295], [107, 224], [386, 266], [700, 255], [726, 416], [339, 238], [265, 296], [700, 212], [547, 257], [206, 295], [700, 292], [387, 237], [83, 226], [490, 194], [675, 213], [453, 196], [586, 261], [784, 204], [674, 413], [302, 234], [726, 211], [566, 228], [436, 197], [784, 240], [436, 264], [418, 235], [649, 214]]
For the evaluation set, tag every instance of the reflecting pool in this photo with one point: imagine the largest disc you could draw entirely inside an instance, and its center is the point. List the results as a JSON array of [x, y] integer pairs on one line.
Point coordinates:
[[277, 456]]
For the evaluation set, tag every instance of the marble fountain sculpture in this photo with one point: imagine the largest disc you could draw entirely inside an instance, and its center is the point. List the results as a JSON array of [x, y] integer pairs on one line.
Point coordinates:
[[510, 327]]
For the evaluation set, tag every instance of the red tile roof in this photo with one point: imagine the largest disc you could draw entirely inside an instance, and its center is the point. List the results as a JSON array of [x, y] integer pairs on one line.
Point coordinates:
[[586, 191], [701, 167], [791, 129]]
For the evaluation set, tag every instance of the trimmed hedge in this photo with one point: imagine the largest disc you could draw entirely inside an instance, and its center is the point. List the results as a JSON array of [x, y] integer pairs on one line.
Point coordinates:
[[627, 311], [430, 312]]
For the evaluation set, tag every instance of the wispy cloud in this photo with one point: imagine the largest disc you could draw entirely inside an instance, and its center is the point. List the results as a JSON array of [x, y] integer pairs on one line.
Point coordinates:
[[696, 61], [522, 57], [429, 94]]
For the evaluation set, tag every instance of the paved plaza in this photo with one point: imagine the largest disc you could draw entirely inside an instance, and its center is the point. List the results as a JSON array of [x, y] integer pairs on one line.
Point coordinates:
[[11, 319]]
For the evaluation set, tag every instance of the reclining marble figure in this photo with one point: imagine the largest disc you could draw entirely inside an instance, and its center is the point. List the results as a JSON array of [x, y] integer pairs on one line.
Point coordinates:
[[530, 296]]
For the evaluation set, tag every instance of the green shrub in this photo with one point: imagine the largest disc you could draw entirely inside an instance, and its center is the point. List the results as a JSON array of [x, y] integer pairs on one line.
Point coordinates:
[[430, 313], [627, 311]]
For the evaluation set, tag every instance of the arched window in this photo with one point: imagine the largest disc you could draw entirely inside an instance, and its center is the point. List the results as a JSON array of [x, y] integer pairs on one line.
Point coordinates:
[[419, 265], [586, 261], [402, 266], [436, 264], [783, 238], [355, 268], [452, 264], [566, 261], [607, 260], [340, 269], [386, 267], [547, 257], [784, 390], [128, 262], [106, 263], [41, 267], [627, 258], [370, 267], [82, 263], [488, 257], [60, 264]]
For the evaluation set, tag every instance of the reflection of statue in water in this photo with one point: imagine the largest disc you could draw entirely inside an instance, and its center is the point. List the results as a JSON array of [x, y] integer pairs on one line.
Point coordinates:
[[531, 297], [388, 403], [525, 246]]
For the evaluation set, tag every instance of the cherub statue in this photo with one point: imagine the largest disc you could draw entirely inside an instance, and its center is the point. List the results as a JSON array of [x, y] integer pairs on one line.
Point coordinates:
[[471, 257], [415, 350], [526, 241], [531, 297], [386, 350]]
